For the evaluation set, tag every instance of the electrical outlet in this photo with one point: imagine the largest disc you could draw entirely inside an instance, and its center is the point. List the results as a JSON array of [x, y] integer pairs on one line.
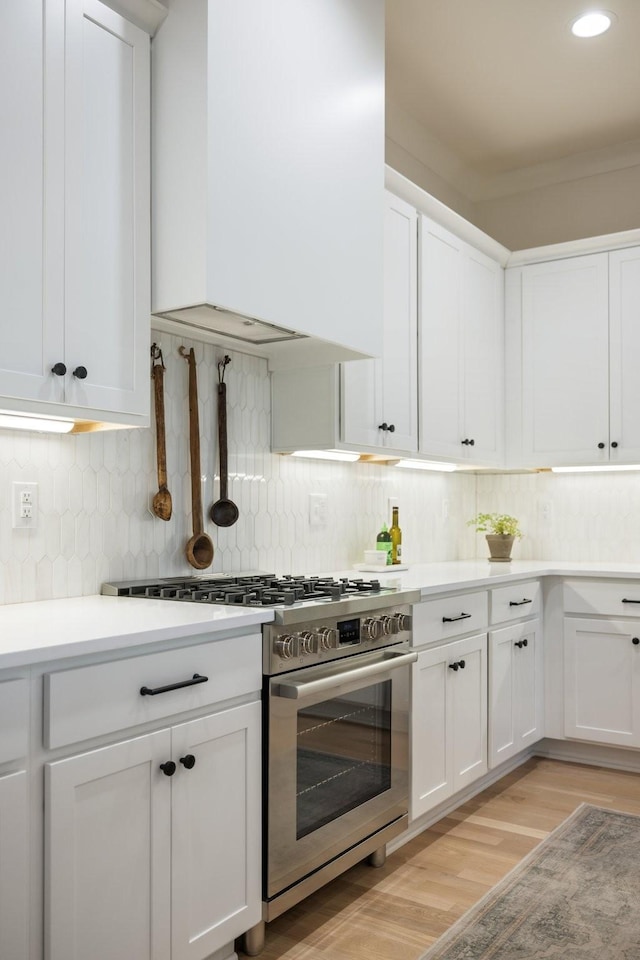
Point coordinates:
[[25, 505], [317, 509], [545, 511]]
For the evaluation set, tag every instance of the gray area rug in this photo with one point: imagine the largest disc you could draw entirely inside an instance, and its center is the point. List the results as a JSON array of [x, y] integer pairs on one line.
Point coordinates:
[[575, 897]]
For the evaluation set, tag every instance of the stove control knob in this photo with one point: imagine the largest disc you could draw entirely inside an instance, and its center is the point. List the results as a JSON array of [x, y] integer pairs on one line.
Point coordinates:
[[371, 628], [389, 625], [307, 643], [327, 638], [403, 621], [285, 646]]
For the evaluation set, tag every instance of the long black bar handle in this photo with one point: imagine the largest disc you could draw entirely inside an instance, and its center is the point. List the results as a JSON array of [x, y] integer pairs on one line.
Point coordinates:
[[149, 692], [518, 603], [463, 616], [631, 601]]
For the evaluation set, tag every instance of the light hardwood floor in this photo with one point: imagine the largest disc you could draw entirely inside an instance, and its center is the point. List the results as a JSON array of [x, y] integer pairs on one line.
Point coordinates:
[[395, 912]]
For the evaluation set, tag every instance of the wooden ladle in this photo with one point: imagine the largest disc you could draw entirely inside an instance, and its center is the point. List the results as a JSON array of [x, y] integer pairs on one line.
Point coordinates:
[[224, 512], [199, 548], [161, 504]]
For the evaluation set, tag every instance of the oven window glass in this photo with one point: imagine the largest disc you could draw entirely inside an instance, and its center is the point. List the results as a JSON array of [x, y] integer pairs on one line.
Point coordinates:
[[343, 755]]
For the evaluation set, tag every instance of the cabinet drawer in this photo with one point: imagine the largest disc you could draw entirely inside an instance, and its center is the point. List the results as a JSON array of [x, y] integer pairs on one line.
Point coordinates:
[[611, 598], [442, 619], [14, 719], [516, 601], [91, 701]]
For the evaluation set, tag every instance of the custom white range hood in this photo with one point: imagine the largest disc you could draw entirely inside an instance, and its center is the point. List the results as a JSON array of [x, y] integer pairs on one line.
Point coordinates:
[[268, 175]]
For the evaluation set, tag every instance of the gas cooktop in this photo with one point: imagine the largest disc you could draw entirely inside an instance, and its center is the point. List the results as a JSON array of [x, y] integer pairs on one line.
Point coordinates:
[[287, 594]]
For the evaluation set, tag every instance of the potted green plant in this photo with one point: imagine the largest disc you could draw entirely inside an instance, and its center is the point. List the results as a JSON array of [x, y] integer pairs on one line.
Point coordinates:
[[500, 530]]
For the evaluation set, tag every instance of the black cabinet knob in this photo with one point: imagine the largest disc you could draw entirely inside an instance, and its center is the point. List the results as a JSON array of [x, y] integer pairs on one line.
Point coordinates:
[[635, 641], [383, 426], [80, 373], [461, 662], [189, 761], [601, 446], [453, 666], [168, 768], [468, 443], [59, 369], [614, 444], [392, 427]]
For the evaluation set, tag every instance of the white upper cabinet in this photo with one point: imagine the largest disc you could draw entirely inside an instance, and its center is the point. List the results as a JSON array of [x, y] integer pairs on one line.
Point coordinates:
[[573, 342], [380, 397], [624, 355], [74, 82], [268, 172], [461, 349]]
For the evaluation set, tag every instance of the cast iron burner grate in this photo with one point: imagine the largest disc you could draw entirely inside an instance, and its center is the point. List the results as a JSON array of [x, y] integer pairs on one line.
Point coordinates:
[[255, 591]]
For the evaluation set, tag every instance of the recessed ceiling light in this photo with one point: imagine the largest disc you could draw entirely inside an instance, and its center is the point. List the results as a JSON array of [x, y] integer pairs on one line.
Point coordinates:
[[591, 24]]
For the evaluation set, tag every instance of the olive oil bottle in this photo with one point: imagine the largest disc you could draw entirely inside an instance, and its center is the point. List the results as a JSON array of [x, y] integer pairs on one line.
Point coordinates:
[[396, 538]]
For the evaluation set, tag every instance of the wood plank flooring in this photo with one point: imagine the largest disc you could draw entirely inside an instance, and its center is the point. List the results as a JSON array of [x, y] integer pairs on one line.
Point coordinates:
[[395, 912]]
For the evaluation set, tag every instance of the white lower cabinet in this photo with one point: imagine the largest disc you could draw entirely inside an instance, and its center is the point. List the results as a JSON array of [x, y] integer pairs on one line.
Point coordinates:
[[152, 844], [602, 681], [449, 720], [13, 866], [516, 701]]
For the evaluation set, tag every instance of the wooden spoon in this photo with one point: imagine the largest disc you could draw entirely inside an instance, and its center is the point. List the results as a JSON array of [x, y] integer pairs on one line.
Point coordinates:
[[199, 548], [161, 504], [224, 512]]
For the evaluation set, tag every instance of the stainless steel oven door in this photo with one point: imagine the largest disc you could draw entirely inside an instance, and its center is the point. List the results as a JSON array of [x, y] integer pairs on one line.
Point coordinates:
[[337, 759]]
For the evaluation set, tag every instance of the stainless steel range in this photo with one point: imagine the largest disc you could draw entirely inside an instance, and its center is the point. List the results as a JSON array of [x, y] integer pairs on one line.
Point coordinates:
[[336, 667]]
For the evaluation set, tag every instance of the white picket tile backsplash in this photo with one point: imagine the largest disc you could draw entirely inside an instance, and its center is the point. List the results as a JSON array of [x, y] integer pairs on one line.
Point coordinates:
[[95, 491]]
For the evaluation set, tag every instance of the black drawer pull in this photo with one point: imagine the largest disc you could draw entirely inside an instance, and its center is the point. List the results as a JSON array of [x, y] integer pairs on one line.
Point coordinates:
[[518, 603], [635, 641], [463, 616], [189, 761], [522, 643], [168, 768], [457, 665], [631, 601], [149, 692]]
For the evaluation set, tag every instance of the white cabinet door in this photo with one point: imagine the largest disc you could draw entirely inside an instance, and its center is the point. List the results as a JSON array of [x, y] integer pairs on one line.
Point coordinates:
[[107, 881], [565, 361], [469, 709], [14, 944], [602, 681], [624, 350], [515, 690], [31, 201], [448, 721], [216, 855], [461, 330], [431, 751], [107, 209], [483, 357], [380, 397], [440, 353]]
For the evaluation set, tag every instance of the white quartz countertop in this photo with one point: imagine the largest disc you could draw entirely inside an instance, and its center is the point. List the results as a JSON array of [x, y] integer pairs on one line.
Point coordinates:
[[434, 578], [53, 629]]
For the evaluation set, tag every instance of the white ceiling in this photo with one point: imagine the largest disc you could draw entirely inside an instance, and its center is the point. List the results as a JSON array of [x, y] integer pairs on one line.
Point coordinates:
[[507, 97]]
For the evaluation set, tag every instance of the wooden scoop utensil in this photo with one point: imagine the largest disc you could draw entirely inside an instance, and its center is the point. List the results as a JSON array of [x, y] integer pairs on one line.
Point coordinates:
[[161, 504], [199, 548]]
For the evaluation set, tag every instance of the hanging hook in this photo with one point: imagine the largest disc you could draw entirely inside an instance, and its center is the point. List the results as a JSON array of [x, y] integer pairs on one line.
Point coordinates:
[[222, 366], [156, 355]]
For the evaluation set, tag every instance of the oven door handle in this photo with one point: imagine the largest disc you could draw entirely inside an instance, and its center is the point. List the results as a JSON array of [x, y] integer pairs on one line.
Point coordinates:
[[296, 690]]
